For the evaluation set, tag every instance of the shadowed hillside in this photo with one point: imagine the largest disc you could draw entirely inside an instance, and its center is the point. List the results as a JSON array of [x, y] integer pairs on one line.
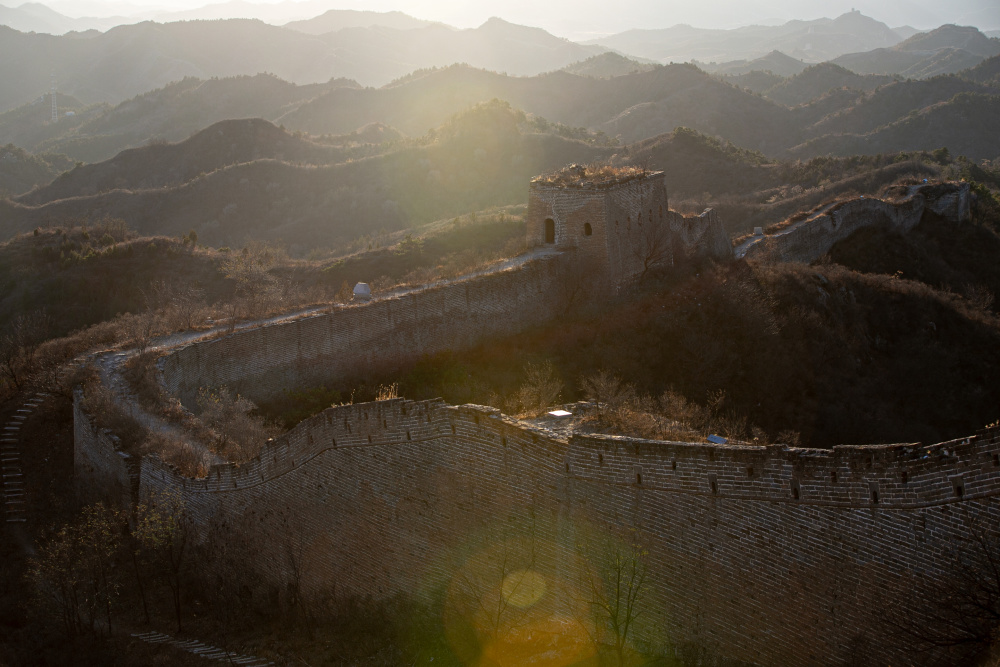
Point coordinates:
[[171, 113], [963, 124], [892, 102], [814, 81], [21, 171], [162, 165], [480, 158], [945, 50]]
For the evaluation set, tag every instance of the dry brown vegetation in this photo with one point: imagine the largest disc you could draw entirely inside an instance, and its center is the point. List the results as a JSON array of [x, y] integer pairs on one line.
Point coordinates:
[[595, 173]]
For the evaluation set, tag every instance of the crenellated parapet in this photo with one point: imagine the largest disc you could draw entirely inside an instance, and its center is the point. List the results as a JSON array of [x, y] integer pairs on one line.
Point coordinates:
[[814, 236], [388, 497]]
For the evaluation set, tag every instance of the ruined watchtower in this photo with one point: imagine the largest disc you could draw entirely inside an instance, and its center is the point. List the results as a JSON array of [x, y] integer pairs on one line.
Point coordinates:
[[615, 218]]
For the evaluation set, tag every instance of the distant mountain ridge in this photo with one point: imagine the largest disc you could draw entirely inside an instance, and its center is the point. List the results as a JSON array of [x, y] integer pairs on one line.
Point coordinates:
[[944, 50], [338, 19], [811, 41], [36, 17], [128, 60]]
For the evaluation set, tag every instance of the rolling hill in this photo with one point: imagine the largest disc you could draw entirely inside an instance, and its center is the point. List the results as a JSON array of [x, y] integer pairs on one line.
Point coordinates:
[[945, 50], [339, 19], [811, 41], [480, 158], [965, 124], [817, 80], [171, 113], [774, 62], [131, 59]]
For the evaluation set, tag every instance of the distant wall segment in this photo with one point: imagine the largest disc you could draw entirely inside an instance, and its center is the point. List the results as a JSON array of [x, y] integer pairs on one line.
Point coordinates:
[[814, 236]]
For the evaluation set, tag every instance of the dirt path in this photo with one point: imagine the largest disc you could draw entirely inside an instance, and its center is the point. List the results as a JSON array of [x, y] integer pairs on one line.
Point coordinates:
[[111, 364]]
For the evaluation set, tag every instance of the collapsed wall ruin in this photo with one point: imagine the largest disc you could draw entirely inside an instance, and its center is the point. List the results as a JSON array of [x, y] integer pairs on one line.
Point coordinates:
[[769, 555]]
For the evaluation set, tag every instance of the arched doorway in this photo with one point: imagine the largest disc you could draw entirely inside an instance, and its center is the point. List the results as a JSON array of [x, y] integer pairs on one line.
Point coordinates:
[[550, 230]]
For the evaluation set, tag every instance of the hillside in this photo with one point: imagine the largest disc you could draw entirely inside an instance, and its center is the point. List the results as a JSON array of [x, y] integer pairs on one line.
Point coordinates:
[[31, 124], [774, 62], [756, 81], [21, 171], [171, 113], [963, 124], [635, 106], [338, 19], [607, 65], [945, 50], [478, 159], [811, 41], [164, 165], [986, 72], [131, 59], [817, 80], [892, 102]]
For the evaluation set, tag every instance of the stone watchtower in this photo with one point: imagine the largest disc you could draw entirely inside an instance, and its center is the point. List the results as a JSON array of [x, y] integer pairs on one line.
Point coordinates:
[[615, 218]]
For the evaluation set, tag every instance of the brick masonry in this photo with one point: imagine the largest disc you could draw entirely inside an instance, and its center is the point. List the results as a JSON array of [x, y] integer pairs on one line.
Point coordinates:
[[771, 555], [811, 239]]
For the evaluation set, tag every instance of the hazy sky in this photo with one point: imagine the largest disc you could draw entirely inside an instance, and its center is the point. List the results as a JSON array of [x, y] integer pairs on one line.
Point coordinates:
[[578, 19]]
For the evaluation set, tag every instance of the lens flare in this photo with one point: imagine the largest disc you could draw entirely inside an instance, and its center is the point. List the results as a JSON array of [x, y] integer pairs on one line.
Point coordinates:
[[523, 588]]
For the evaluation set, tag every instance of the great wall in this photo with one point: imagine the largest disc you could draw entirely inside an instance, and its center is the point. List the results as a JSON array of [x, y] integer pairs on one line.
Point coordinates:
[[768, 555]]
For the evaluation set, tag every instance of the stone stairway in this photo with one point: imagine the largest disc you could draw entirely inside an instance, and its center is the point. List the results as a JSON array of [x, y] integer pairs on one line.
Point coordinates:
[[15, 496], [203, 650]]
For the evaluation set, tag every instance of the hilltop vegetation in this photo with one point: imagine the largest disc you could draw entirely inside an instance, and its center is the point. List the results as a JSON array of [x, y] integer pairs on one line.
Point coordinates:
[[821, 355], [478, 159], [20, 170]]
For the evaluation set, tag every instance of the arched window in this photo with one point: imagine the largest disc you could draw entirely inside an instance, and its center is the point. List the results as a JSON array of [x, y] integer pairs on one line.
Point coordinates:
[[550, 230], [587, 229]]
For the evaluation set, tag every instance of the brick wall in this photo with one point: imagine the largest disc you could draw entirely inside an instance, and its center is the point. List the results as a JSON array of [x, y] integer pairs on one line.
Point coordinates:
[[766, 554], [101, 471], [352, 340], [813, 238], [773, 555]]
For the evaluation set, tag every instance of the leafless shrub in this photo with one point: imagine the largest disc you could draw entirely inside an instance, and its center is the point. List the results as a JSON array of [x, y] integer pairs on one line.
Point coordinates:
[[623, 410], [19, 344], [185, 456], [980, 297], [238, 433], [541, 388], [108, 412], [137, 329]]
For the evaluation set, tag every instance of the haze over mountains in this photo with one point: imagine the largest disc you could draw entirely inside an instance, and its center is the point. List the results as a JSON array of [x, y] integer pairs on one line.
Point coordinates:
[[180, 121]]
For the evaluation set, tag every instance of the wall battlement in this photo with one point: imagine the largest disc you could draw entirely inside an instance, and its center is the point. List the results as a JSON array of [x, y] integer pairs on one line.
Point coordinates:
[[382, 498], [813, 237], [385, 494]]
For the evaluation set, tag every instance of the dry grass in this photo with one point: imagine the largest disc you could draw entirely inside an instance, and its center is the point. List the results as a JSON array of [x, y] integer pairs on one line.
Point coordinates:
[[624, 411], [595, 173]]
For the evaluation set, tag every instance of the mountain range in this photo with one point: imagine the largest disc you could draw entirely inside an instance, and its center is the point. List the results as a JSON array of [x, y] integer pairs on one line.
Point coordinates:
[[132, 59]]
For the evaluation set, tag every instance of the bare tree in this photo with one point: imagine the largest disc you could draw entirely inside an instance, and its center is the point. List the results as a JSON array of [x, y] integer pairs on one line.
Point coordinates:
[[250, 268], [954, 618], [493, 593], [19, 344], [653, 245], [615, 586], [162, 530], [239, 434], [74, 571]]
